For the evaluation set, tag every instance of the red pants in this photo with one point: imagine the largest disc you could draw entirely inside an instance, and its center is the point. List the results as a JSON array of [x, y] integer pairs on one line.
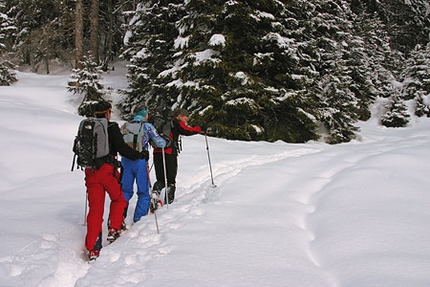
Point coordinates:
[[98, 182]]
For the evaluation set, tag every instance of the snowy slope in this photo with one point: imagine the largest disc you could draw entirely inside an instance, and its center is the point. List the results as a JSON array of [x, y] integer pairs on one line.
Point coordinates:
[[355, 214]]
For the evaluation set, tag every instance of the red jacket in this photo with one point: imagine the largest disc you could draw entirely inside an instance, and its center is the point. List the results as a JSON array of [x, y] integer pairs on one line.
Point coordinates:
[[178, 128]]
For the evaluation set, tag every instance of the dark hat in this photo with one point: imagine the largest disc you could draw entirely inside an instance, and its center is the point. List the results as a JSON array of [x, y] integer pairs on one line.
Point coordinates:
[[102, 107], [180, 112]]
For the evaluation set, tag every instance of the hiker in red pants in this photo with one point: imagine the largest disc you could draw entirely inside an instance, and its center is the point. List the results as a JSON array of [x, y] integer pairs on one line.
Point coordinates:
[[105, 179]]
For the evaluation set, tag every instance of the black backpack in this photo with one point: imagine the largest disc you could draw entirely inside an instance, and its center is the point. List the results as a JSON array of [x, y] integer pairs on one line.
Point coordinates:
[[162, 121], [91, 145]]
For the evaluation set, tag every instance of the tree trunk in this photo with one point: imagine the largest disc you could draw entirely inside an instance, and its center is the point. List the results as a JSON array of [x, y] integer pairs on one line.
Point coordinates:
[[110, 32], [79, 35], [107, 45], [94, 30], [47, 64]]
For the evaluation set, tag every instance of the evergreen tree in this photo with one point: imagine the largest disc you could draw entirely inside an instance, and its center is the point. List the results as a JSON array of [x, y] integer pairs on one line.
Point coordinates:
[[422, 106], [249, 80], [7, 76], [86, 82], [408, 22], [376, 59], [417, 79], [342, 80], [253, 70], [266, 69], [150, 50], [43, 31], [224, 63], [35, 19], [112, 20], [396, 115]]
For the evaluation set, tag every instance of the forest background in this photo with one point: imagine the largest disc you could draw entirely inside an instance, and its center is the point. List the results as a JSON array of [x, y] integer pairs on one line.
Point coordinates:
[[270, 70]]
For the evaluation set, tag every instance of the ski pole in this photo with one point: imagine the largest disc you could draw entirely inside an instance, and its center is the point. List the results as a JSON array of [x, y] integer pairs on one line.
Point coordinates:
[[152, 198], [165, 179], [209, 160]]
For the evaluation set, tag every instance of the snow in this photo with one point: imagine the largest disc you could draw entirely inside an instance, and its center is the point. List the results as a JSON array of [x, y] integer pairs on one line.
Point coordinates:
[[181, 42], [217, 39], [283, 42], [242, 101], [205, 56], [262, 14], [244, 79], [313, 214]]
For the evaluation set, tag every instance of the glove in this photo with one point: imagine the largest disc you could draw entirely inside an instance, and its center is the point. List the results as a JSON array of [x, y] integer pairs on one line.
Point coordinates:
[[203, 128], [144, 155]]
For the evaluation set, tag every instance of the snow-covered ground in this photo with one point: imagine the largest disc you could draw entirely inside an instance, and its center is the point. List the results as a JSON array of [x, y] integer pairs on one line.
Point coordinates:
[[313, 214]]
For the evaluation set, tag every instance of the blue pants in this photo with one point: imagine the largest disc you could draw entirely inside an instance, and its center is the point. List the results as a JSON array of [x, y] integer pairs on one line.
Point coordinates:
[[136, 170]]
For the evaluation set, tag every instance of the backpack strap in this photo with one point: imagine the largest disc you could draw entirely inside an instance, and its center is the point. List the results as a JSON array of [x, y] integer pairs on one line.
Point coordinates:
[[135, 136]]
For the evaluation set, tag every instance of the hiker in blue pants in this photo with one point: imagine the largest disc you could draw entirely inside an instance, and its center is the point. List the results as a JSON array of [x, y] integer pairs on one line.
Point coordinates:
[[137, 134]]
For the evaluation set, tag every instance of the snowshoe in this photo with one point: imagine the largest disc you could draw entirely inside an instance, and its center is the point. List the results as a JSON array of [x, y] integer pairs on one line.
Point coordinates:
[[93, 255], [124, 227], [113, 235], [155, 203]]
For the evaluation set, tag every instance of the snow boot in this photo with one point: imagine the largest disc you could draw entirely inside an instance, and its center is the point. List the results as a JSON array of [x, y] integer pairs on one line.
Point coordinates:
[[155, 203], [93, 255], [113, 235], [171, 188], [158, 186]]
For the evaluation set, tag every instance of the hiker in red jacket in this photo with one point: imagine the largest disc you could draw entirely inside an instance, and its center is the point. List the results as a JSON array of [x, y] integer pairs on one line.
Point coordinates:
[[179, 127], [106, 179]]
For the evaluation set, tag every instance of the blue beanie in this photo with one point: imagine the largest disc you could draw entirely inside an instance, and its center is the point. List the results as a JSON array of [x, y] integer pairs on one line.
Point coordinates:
[[143, 112]]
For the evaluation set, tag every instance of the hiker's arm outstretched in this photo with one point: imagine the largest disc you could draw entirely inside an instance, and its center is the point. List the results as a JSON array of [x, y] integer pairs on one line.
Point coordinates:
[[186, 130]]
